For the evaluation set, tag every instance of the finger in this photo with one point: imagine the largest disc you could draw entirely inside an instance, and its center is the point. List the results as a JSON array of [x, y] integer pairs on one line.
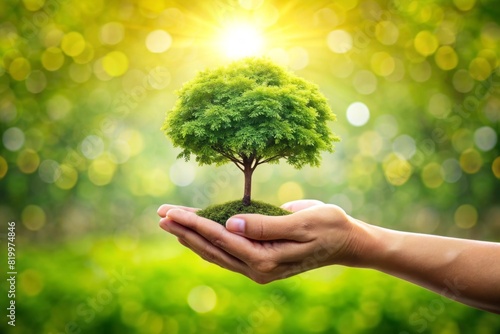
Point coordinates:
[[163, 209], [298, 205], [215, 233], [203, 247], [260, 227]]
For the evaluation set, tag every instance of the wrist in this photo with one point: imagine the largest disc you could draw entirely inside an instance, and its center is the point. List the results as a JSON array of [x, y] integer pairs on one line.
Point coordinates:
[[372, 245]]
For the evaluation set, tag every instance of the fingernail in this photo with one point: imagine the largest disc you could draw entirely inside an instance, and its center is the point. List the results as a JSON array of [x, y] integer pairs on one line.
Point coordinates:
[[235, 225]]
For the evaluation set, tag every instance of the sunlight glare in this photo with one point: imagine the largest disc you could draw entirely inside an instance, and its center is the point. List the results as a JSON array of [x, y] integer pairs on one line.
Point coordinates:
[[241, 41]]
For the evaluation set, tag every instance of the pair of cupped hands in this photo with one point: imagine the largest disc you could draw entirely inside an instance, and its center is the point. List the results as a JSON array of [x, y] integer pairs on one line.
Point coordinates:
[[267, 248]]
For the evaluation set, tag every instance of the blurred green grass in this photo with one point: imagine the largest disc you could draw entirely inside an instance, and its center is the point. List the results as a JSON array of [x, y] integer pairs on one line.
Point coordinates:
[[158, 287]]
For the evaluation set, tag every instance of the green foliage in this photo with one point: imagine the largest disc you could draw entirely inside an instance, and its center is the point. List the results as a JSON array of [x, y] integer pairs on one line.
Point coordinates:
[[221, 212], [250, 108]]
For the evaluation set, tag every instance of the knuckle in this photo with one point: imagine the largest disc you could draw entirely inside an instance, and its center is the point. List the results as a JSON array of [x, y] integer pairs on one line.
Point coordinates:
[[219, 241], [265, 267], [208, 254]]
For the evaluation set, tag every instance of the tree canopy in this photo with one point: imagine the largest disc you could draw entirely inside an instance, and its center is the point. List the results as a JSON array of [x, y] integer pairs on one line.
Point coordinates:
[[250, 112]]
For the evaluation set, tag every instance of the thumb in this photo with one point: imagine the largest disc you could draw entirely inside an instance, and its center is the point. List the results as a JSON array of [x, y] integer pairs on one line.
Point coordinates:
[[261, 227]]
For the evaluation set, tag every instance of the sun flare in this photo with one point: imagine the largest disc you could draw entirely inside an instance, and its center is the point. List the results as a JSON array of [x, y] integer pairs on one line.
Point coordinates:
[[242, 40]]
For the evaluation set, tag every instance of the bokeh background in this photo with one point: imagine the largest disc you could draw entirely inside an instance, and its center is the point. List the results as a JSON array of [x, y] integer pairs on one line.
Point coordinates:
[[84, 87]]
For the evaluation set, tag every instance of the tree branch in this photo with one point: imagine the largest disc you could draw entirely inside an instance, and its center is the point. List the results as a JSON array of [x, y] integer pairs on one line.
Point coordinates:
[[228, 156], [270, 159]]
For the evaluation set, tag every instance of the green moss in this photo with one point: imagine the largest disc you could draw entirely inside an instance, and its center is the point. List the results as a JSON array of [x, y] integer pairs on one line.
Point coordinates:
[[221, 212]]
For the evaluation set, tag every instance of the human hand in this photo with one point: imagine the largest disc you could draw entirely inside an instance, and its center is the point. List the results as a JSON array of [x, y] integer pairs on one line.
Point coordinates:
[[267, 248]]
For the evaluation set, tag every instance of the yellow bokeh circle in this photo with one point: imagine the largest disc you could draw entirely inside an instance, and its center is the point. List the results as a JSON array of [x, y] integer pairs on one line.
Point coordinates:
[[471, 161], [464, 5], [101, 171], [386, 32], [28, 161], [20, 68], [52, 59], [480, 68], [495, 167], [115, 63], [73, 44], [396, 169], [33, 217], [446, 58], [4, 167], [426, 43], [432, 175], [466, 216], [68, 178], [202, 299]]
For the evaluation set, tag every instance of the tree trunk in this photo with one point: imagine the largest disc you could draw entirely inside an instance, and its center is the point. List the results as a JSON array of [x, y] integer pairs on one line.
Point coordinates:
[[248, 185]]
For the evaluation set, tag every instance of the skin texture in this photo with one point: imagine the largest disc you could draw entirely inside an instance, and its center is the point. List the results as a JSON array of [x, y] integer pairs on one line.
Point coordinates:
[[266, 249]]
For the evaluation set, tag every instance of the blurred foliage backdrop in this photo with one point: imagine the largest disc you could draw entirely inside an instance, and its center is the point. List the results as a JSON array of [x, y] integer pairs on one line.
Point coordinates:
[[84, 87]]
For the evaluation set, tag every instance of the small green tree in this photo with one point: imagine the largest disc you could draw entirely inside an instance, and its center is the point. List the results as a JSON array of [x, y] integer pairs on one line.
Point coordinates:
[[250, 112]]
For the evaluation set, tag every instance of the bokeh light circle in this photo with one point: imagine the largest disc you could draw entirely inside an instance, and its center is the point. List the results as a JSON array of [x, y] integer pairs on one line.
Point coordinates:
[[387, 32], [13, 139], [36, 82], [73, 44], [20, 68], [397, 170], [68, 177], [202, 299], [466, 216], [92, 147], [485, 138], [432, 175], [101, 171], [111, 33], [451, 170], [339, 41], [115, 63], [358, 114], [495, 167], [480, 69], [33, 217], [182, 173], [28, 161], [158, 41], [425, 43], [52, 59], [464, 5], [49, 171], [446, 58], [4, 167], [471, 161], [405, 146]]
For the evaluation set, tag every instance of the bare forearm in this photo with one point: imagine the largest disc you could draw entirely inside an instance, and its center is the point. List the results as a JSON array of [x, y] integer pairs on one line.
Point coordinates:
[[464, 270]]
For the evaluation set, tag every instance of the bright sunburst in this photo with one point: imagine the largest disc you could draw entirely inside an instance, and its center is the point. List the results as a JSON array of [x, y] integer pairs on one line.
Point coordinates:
[[241, 40]]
